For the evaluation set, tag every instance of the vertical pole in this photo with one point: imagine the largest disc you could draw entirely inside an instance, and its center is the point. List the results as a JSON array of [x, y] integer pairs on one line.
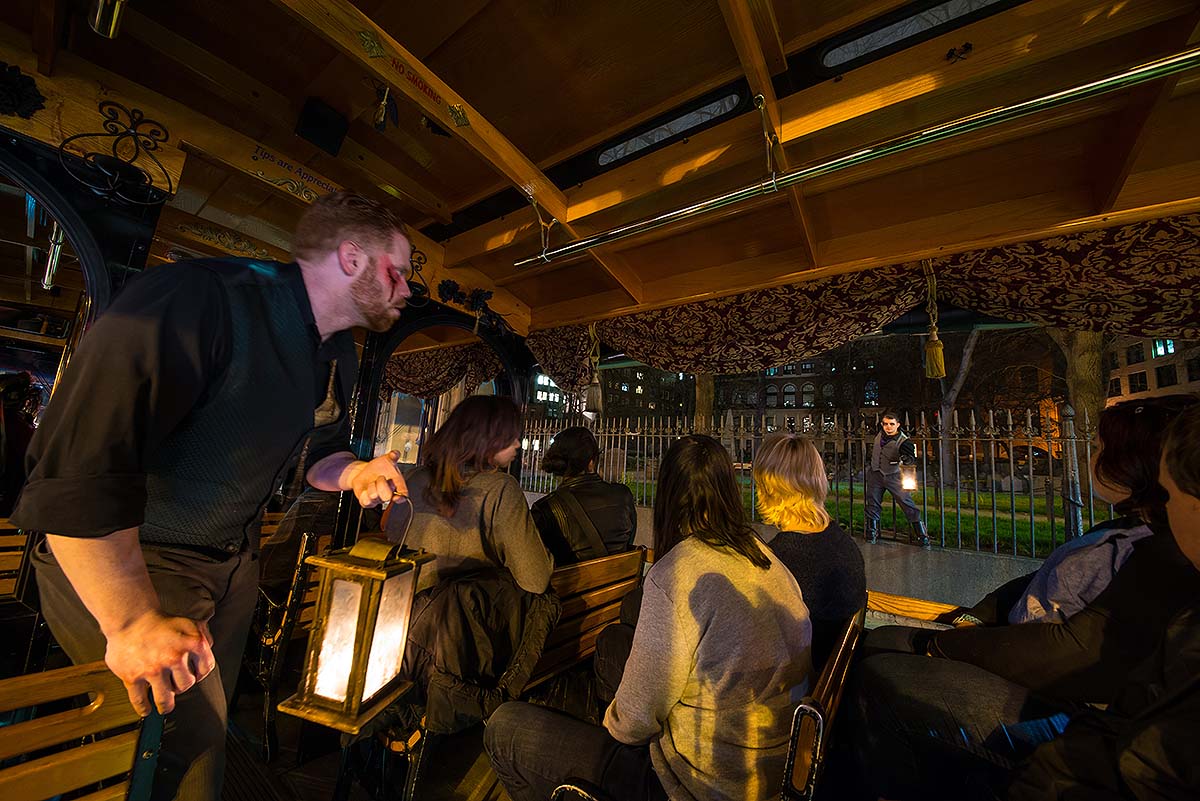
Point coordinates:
[[1072, 503]]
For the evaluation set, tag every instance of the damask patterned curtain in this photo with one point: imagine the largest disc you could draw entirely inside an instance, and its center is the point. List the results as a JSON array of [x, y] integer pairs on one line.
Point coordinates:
[[1141, 279], [428, 373], [562, 353]]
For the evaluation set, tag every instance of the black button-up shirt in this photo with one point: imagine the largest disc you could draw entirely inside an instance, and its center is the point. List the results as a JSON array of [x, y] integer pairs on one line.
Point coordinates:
[[145, 364]]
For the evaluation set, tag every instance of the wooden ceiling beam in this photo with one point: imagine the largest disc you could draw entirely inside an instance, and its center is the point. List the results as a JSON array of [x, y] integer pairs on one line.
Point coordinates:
[[745, 19], [245, 91], [1042, 30], [1131, 134], [351, 31], [739, 140], [813, 32], [49, 25], [197, 233]]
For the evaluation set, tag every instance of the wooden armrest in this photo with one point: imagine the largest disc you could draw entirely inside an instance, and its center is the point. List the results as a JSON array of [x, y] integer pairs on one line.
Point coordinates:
[[907, 607]]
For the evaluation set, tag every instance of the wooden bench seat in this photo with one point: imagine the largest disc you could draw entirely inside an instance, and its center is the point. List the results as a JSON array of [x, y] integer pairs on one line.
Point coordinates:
[[125, 759], [14, 555], [812, 723], [591, 593]]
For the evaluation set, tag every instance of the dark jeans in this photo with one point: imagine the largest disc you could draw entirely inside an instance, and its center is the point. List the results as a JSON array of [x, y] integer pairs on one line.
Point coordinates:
[[535, 749], [613, 646], [877, 482], [926, 728], [191, 763]]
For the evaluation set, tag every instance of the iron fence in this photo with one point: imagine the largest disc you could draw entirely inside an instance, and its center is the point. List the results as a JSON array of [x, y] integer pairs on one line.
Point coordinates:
[[1007, 483]]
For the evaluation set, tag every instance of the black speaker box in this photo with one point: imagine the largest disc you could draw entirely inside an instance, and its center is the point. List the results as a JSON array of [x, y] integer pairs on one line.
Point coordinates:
[[322, 125]]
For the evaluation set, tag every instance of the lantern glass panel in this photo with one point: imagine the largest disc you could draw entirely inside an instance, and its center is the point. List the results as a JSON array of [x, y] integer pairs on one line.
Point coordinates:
[[337, 647], [391, 629]]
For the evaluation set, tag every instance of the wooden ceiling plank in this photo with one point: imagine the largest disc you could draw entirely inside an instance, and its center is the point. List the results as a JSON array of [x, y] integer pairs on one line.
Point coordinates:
[[744, 21], [49, 24], [1044, 29], [1130, 137], [762, 12], [356, 35], [244, 90]]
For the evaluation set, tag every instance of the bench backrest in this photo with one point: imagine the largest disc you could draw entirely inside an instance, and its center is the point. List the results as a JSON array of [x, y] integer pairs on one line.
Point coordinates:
[[813, 719], [591, 594], [14, 553], [130, 748]]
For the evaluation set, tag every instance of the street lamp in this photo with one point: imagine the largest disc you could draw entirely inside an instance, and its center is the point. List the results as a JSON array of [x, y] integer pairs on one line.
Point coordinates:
[[356, 649]]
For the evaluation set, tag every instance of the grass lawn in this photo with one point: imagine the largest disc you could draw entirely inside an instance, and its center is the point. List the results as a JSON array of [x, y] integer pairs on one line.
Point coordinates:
[[1013, 519]]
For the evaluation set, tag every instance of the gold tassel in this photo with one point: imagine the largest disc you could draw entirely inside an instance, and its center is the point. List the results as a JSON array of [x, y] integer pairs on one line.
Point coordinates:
[[935, 357], [593, 402]]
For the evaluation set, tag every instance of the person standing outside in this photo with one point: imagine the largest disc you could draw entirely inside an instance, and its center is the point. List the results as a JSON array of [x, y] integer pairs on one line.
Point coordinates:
[[889, 451], [171, 427]]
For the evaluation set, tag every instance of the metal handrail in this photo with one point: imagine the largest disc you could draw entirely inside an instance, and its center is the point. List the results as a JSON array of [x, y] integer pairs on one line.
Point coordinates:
[[1152, 70]]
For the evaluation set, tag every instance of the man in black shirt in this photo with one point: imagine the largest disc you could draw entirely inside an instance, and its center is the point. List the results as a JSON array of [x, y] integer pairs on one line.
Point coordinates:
[[169, 431]]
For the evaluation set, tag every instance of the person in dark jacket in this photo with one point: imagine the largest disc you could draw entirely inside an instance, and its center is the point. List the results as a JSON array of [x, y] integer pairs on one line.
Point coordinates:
[[586, 517], [956, 727], [891, 448], [790, 479], [1144, 745]]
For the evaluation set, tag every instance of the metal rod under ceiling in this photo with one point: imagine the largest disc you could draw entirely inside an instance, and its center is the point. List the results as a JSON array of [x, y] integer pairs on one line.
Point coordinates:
[[1159, 68]]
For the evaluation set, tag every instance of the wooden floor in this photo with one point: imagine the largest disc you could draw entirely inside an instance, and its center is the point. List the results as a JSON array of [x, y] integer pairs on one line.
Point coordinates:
[[457, 767]]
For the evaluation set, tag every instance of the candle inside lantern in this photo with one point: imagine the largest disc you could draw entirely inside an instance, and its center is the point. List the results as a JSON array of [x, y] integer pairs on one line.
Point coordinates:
[[391, 633], [337, 657]]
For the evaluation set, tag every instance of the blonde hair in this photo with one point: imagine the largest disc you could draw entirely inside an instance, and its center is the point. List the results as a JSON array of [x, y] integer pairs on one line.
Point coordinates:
[[340, 216], [790, 479]]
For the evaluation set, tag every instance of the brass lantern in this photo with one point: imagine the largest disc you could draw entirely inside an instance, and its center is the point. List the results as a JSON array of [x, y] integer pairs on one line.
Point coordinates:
[[356, 649], [908, 477]]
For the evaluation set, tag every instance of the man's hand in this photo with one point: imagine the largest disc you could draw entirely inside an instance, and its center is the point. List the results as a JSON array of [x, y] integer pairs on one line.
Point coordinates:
[[376, 481], [166, 655]]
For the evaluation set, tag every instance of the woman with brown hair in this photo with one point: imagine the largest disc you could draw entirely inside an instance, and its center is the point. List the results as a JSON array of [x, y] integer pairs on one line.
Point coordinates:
[[720, 657], [791, 484], [467, 511]]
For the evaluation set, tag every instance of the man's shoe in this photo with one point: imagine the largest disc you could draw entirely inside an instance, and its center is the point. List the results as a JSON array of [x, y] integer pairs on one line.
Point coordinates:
[[872, 531], [922, 533]]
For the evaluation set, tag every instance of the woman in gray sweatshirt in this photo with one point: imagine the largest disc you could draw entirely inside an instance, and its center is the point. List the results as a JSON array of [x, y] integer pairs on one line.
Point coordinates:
[[721, 655]]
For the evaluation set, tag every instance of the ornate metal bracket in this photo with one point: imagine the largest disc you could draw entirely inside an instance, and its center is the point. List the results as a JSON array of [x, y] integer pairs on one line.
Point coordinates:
[[416, 281], [129, 171]]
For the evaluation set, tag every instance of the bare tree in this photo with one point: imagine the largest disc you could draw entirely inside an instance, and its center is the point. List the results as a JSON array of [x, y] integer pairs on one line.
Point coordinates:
[[949, 397]]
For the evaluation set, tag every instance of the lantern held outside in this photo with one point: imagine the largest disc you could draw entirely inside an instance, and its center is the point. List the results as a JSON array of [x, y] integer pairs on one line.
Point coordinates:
[[908, 477], [355, 651]]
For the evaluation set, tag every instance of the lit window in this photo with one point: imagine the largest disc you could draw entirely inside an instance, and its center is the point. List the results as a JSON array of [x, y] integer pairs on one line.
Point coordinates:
[[639, 376], [693, 119], [911, 27], [1163, 347], [1137, 382], [554, 397], [789, 396], [638, 389], [624, 387]]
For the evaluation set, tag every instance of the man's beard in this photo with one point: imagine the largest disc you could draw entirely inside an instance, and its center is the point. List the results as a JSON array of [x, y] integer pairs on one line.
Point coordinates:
[[371, 304]]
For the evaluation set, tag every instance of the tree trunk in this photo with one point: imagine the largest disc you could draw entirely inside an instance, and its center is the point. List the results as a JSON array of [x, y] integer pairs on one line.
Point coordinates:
[[949, 397], [704, 403], [1084, 351]]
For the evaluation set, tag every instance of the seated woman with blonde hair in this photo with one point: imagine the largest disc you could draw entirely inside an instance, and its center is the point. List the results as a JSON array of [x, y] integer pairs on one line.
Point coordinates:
[[790, 481]]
